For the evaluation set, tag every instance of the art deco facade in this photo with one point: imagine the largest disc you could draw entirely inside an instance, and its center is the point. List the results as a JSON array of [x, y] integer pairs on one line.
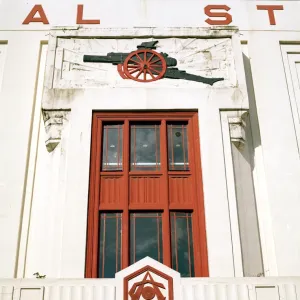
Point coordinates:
[[153, 155]]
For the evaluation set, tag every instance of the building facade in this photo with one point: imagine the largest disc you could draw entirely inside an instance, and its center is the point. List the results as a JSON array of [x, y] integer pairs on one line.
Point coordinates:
[[159, 139]]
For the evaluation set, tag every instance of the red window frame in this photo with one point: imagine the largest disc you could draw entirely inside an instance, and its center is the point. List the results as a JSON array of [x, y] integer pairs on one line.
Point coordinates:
[[197, 206]]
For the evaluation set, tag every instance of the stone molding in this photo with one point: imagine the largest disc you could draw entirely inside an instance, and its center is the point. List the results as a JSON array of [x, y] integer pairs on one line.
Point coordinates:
[[237, 128], [243, 288], [55, 121], [61, 91]]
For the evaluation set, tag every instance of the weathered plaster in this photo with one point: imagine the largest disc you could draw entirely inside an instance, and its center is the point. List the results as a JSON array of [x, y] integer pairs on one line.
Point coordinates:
[[55, 120], [200, 51], [236, 127]]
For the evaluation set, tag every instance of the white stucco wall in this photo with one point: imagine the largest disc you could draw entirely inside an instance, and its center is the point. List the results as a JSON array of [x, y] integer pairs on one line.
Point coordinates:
[[27, 170]]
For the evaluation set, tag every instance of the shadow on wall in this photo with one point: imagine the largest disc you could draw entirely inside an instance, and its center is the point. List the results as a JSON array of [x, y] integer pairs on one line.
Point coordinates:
[[244, 164], [252, 121]]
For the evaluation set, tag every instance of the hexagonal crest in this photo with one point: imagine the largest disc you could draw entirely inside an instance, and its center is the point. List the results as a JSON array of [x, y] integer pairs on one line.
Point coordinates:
[[147, 284], [147, 280]]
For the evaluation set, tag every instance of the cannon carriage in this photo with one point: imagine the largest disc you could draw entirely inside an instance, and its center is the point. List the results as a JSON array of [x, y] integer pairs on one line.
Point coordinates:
[[147, 65]]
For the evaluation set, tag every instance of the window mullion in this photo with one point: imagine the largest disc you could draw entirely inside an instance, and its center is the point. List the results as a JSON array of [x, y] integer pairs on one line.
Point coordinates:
[[125, 204], [93, 209], [165, 191], [198, 220], [96, 199]]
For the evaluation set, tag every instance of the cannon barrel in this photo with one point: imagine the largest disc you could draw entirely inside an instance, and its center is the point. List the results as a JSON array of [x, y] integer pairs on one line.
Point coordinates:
[[112, 58], [97, 58], [119, 58]]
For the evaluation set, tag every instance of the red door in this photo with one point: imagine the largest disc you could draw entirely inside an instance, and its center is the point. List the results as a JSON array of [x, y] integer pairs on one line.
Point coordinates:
[[145, 195]]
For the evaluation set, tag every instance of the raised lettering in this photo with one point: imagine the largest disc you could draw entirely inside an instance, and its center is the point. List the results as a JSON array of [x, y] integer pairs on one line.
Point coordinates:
[[270, 9], [80, 20], [208, 11], [31, 16]]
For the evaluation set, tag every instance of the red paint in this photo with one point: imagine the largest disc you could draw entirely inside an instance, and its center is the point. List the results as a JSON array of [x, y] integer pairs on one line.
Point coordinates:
[[80, 20], [142, 63], [141, 190], [139, 289], [93, 212], [165, 194], [209, 11], [148, 292], [201, 257], [121, 71], [270, 9], [31, 16]]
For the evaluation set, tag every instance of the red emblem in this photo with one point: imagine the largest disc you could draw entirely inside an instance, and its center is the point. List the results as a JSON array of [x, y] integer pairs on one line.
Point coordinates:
[[147, 65], [148, 288], [144, 66], [148, 292]]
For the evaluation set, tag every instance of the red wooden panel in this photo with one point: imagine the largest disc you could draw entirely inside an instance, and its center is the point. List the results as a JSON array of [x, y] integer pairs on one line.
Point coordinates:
[[111, 190], [156, 190], [181, 190], [145, 190]]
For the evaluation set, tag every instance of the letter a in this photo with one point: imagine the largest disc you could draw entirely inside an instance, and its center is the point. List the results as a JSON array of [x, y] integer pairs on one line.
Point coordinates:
[[42, 18]]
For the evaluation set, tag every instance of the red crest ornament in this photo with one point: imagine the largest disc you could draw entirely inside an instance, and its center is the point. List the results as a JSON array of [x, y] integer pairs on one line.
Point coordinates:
[[148, 292], [147, 65], [147, 284]]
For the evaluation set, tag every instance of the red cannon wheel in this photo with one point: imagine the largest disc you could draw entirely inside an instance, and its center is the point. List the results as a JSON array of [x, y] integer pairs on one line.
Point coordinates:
[[145, 65]]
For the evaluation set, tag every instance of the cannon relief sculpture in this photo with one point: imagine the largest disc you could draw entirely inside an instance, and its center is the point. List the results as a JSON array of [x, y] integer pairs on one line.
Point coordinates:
[[147, 65]]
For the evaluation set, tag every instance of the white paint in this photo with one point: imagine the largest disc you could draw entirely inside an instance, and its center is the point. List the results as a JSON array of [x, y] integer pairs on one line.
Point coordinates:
[[279, 146], [208, 58], [3, 47], [56, 239], [183, 288], [291, 59], [259, 179], [31, 293], [148, 13], [16, 104], [32, 165], [68, 200], [231, 194], [45, 236], [190, 288]]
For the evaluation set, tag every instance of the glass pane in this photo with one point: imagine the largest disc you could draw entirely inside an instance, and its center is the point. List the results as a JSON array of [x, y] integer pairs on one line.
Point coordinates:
[[178, 147], [109, 245], [145, 236], [145, 144], [182, 243], [112, 154]]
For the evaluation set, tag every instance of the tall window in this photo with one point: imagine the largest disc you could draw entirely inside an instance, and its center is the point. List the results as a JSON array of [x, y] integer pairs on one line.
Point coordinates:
[[145, 195]]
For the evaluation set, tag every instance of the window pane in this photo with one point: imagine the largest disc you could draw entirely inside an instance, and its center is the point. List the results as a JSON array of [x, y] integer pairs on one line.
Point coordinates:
[[182, 244], [112, 153], [178, 147], [145, 236], [145, 144], [109, 245]]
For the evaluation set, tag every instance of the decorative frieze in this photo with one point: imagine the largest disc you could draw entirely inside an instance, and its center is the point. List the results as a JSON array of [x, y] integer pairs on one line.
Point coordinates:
[[148, 279], [75, 62], [203, 57]]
